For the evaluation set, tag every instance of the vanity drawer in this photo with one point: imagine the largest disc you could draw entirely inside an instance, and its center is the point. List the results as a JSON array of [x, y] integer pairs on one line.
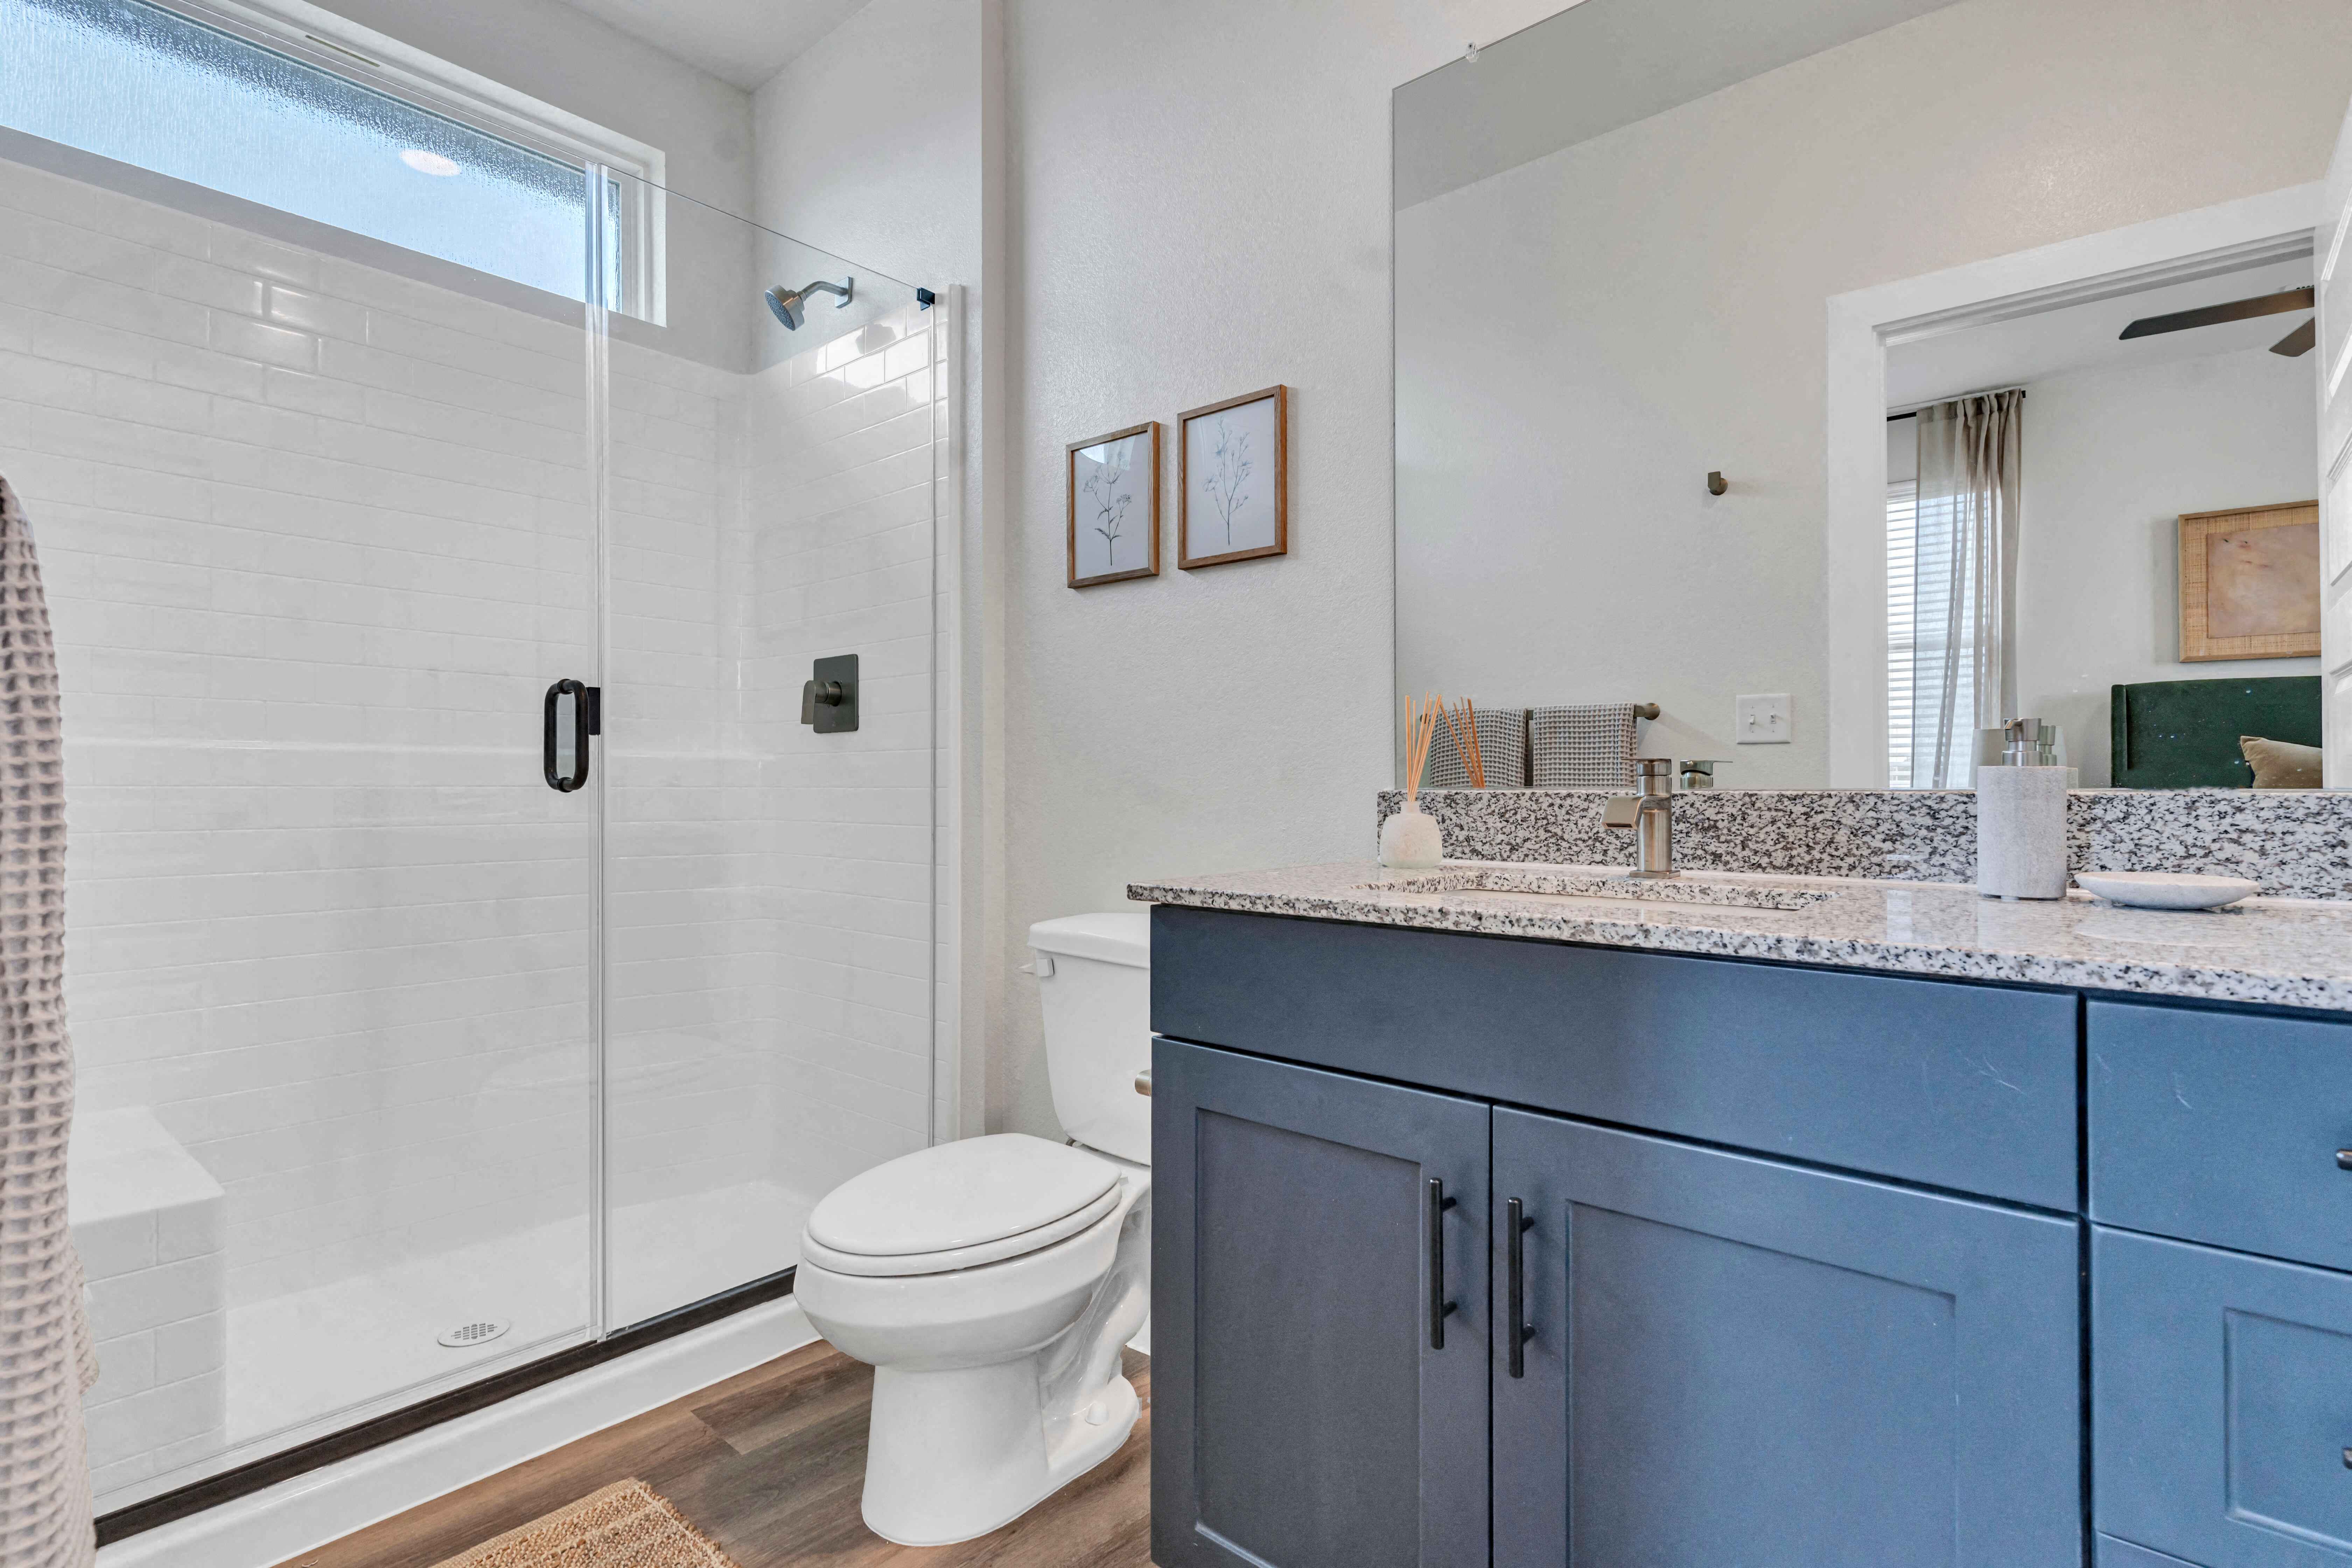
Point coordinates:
[[2222, 1127], [2222, 1395], [1966, 1086]]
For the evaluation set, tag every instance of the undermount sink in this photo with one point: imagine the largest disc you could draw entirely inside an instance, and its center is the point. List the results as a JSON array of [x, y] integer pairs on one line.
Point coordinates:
[[1596, 887]]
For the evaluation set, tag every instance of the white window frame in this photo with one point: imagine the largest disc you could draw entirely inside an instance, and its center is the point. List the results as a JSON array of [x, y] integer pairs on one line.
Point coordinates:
[[342, 48]]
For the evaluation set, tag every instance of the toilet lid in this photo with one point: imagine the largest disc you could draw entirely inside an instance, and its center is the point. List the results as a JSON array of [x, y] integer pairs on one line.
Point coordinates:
[[960, 1195]]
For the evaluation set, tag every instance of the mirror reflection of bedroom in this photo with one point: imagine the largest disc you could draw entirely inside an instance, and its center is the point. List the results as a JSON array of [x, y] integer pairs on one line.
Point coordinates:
[[2151, 451]]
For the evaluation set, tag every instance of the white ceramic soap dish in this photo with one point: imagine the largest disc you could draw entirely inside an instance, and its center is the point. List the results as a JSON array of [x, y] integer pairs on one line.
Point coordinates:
[[2166, 890]]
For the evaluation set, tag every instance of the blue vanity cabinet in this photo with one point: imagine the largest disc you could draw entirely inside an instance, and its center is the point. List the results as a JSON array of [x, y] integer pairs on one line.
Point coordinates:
[[1771, 1330], [1738, 1360], [1317, 1405]]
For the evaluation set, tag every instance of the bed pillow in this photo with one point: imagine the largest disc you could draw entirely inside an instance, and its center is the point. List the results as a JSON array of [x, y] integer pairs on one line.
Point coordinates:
[[2281, 764]]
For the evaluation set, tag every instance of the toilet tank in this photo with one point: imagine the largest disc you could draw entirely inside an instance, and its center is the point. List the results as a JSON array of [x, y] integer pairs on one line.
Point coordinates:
[[1093, 980]]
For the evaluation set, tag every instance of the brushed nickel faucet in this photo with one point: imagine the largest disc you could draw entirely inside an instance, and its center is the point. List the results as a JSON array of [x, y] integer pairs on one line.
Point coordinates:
[[1649, 816]]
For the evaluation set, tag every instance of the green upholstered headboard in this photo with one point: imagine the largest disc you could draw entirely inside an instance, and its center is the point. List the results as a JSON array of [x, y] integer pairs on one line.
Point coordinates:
[[2183, 734]]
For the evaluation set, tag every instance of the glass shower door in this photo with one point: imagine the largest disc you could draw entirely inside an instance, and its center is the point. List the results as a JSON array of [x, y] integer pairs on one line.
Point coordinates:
[[318, 536], [769, 886]]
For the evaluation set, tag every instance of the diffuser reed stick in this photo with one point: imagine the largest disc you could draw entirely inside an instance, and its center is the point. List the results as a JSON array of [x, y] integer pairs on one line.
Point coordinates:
[[1471, 763], [1420, 728]]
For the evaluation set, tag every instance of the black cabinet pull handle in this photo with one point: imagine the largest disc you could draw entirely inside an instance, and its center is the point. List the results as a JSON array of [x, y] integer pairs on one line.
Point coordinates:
[[585, 721], [1516, 1225], [1439, 1307], [2343, 1159]]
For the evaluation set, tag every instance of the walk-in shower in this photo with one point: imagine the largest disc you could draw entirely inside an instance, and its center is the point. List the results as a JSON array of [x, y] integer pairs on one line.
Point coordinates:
[[398, 1066]]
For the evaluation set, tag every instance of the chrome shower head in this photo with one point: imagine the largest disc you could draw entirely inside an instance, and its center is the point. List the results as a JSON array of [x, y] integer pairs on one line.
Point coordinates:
[[791, 305]]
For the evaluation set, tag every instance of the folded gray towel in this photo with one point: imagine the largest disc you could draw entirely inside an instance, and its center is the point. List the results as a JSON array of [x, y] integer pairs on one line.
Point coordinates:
[[1502, 748], [1587, 747]]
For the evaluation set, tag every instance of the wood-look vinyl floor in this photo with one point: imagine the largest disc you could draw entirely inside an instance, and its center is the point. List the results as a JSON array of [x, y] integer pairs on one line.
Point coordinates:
[[769, 1464]]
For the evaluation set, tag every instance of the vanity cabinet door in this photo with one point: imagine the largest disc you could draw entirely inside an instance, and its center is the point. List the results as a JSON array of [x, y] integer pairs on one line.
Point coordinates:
[[1306, 1414], [2221, 1397], [1736, 1361]]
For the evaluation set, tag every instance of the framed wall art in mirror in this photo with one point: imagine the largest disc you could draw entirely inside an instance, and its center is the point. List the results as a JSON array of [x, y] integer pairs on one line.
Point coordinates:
[[2250, 582], [1234, 479]]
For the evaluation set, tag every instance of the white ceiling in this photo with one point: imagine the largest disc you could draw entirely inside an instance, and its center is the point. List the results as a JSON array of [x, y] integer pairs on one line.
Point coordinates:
[[741, 41], [2084, 337]]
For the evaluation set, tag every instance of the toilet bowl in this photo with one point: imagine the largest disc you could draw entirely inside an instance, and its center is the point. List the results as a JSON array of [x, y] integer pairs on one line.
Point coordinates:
[[995, 1382], [992, 1282]]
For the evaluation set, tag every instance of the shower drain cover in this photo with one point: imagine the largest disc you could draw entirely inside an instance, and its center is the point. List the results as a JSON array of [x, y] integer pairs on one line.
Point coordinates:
[[479, 1332]]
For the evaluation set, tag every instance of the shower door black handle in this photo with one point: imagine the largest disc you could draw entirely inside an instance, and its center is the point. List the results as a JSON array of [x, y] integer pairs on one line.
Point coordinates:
[[586, 721]]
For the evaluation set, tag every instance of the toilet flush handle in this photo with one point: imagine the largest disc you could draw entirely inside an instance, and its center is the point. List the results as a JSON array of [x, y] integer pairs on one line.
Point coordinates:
[[1042, 966]]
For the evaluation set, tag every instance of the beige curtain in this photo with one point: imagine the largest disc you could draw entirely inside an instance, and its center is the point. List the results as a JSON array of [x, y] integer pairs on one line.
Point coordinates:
[[46, 1362], [1964, 604]]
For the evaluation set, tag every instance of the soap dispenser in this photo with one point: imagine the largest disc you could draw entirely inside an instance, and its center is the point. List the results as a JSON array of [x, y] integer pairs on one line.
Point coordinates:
[[2022, 818]]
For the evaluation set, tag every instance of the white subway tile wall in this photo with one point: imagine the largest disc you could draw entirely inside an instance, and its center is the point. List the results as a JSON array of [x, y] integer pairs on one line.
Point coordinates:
[[316, 537], [770, 923]]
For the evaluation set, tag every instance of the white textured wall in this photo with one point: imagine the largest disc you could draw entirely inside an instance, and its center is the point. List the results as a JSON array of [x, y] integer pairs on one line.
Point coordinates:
[[2113, 458], [869, 142], [1199, 205], [1618, 318]]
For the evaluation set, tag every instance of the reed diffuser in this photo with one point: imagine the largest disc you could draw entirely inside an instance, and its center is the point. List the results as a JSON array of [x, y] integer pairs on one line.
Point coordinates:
[[1409, 840]]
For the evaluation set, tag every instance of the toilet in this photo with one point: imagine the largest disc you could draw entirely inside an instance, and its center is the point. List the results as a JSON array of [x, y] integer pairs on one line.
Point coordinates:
[[992, 1281]]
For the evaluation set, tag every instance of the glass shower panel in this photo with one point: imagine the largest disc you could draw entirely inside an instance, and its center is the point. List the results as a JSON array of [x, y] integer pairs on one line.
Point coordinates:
[[769, 501], [317, 537]]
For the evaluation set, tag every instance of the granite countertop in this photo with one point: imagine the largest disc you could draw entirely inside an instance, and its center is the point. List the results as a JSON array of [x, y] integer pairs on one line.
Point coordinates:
[[2282, 951]]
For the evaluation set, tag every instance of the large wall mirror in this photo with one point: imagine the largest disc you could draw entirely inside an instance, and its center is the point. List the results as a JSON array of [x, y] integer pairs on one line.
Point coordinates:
[[1843, 378]]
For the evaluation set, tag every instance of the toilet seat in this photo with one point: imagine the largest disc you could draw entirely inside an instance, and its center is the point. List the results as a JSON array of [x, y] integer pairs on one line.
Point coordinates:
[[897, 1265], [961, 1204]]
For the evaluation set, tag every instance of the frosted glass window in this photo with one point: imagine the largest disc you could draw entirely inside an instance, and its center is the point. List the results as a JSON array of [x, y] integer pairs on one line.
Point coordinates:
[[149, 86]]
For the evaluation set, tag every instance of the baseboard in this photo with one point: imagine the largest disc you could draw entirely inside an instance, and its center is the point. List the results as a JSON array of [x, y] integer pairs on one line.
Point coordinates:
[[323, 1505]]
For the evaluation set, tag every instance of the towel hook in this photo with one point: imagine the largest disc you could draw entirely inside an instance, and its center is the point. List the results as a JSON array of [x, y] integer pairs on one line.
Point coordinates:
[[1716, 483]]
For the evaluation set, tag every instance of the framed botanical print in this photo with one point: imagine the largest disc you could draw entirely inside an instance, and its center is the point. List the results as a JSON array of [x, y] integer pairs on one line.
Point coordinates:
[[1114, 485], [1234, 479], [2250, 582]]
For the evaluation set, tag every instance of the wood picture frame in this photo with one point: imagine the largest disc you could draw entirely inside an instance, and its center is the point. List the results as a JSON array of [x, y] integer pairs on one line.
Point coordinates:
[[2250, 582], [1224, 476], [1110, 503]]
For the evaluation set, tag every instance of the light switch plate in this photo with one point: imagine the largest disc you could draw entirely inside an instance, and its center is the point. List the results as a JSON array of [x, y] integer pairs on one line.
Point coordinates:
[[1760, 719]]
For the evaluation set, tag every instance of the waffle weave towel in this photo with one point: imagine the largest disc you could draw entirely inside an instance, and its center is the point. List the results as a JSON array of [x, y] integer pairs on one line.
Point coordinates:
[[1590, 747], [1502, 748], [47, 1361]]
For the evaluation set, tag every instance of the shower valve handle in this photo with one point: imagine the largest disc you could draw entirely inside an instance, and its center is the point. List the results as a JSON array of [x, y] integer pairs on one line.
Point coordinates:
[[814, 692], [829, 696]]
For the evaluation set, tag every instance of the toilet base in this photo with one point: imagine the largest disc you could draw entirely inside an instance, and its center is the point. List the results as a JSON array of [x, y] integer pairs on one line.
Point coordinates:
[[975, 1451]]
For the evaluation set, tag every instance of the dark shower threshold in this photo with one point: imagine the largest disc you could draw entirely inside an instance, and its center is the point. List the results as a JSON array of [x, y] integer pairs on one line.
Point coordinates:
[[180, 1502]]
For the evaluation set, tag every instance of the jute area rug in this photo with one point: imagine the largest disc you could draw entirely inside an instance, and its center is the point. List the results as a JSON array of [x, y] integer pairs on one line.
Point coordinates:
[[627, 1525]]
